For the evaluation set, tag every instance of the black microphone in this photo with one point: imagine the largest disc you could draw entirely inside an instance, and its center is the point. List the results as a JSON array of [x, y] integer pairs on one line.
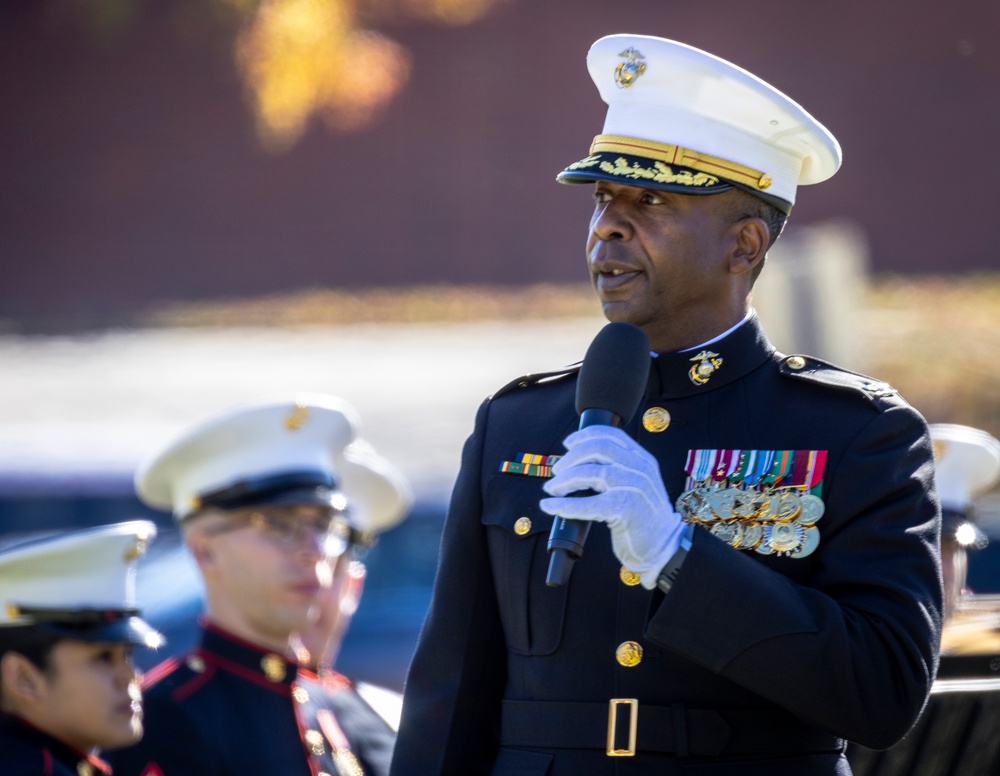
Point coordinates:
[[612, 380]]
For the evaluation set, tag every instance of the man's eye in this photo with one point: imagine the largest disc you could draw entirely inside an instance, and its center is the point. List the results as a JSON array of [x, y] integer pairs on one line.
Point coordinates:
[[651, 199], [105, 656], [281, 524]]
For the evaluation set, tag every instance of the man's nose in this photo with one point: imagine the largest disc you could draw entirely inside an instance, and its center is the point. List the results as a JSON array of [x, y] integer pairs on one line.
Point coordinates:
[[610, 221]]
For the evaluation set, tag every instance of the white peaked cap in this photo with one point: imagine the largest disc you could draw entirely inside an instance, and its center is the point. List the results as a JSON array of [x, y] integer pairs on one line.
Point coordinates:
[[684, 120], [967, 462], [80, 584], [298, 449]]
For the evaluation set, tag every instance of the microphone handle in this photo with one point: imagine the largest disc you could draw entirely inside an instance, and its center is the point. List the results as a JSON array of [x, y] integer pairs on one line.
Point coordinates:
[[567, 537]]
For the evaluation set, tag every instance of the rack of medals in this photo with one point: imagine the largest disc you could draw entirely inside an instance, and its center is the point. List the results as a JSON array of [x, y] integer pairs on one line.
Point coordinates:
[[762, 500]]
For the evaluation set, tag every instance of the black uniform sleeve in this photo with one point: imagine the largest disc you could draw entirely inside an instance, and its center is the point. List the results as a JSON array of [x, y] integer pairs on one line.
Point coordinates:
[[452, 699], [854, 653]]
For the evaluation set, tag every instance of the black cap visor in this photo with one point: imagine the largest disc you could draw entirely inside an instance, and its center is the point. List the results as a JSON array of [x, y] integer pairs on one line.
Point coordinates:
[[646, 173], [122, 627]]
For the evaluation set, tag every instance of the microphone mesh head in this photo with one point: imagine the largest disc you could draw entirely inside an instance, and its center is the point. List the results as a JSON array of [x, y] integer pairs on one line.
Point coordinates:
[[614, 371]]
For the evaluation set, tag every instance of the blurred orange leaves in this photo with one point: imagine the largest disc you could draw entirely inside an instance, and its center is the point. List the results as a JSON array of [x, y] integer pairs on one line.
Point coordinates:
[[305, 58]]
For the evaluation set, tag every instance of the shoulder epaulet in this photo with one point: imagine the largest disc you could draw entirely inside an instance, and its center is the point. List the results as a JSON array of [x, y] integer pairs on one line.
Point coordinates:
[[538, 378], [817, 370]]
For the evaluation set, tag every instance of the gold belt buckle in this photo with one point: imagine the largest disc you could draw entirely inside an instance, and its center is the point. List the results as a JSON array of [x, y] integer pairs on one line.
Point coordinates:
[[633, 725]]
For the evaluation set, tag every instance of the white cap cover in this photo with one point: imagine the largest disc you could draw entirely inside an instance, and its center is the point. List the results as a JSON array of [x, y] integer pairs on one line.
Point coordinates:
[[684, 120]]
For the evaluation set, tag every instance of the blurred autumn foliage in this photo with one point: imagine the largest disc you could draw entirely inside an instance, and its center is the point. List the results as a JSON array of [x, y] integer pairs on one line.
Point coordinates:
[[301, 59]]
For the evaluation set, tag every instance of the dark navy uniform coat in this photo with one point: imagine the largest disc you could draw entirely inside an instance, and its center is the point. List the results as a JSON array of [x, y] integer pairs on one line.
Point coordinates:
[[27, 751], [752, 664], [230, 708]]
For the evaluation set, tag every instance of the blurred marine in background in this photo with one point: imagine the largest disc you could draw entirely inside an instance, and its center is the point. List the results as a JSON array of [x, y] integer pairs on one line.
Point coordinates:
[[68, 625], [271, 500], [967, 461]]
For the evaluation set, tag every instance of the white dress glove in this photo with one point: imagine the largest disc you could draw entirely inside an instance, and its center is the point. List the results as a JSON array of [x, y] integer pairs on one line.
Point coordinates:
[[631, 498]]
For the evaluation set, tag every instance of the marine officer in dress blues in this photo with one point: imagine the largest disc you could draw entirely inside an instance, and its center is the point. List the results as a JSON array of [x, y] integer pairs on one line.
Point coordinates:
[[768, 581], [68, 625], [270, 499]]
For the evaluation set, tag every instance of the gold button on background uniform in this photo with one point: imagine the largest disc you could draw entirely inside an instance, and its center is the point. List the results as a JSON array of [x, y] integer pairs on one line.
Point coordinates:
[[655, 420], [299, 695], [195, 663], [629, 653], [314, 740], [522, 526], [795, 362], [629, 577], [273, 667]]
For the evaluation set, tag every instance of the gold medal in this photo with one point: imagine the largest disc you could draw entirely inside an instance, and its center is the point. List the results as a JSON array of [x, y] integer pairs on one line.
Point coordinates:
[[769, 506], [744, 506], [789, 505], [784, 538], [764, 548], [812, 509], [753, 533], [810, 541], [688, 503], [730, 532], [722, 502]]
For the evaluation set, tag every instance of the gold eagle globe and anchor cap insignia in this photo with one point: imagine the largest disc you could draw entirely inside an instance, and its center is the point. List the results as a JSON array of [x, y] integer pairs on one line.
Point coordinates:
[[628, 71], [706, 364]]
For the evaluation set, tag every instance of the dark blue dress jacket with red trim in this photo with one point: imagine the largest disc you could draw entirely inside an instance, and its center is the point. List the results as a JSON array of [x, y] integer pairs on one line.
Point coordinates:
[[27, 751], [230, 708]]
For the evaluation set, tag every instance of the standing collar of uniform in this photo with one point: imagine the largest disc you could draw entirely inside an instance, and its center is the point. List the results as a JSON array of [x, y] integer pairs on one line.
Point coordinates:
[[736, 353], [750, 314], [254, 663], [73, 759]]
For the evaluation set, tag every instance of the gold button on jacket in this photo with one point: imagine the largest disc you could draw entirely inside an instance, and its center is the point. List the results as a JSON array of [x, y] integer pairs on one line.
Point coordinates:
[[629, 653], [655, 420]]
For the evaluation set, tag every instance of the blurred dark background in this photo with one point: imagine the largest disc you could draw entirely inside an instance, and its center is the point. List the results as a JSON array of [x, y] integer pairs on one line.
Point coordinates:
[[139, 168]]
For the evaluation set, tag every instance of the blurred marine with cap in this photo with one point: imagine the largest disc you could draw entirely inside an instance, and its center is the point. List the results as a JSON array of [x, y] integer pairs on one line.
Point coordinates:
[[967, 461], [764, 582], [271, 500], [68, 625]]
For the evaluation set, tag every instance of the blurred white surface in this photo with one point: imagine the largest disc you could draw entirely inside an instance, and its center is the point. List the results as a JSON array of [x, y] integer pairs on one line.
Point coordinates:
[[89, 408]]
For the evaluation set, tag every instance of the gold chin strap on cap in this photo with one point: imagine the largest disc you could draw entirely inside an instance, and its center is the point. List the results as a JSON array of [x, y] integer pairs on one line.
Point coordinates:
[[672, 154]]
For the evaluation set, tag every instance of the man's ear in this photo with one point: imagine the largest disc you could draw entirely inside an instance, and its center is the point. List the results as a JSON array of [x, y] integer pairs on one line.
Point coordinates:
[[750, 246], [23, 681]]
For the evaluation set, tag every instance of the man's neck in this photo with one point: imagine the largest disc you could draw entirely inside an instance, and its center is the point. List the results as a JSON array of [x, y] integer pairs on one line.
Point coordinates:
[[695, 336]]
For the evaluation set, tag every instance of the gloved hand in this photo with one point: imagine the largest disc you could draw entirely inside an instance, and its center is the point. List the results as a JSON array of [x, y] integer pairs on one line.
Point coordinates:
[[631, 498]]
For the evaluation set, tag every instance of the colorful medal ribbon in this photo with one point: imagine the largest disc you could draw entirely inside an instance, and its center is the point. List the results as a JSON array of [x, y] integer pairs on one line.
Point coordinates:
[[530, 464]]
